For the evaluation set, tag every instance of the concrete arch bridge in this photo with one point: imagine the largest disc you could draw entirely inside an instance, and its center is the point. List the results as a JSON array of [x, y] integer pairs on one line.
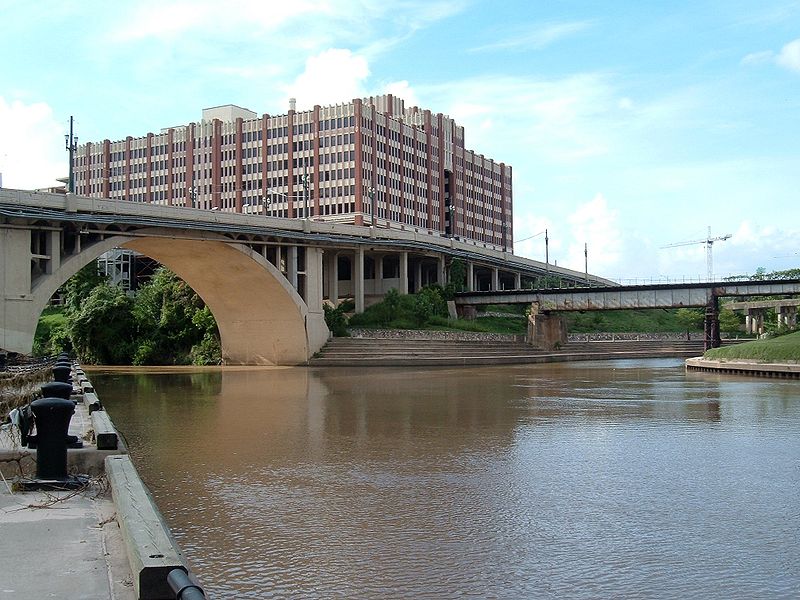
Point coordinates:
[[264, 278]]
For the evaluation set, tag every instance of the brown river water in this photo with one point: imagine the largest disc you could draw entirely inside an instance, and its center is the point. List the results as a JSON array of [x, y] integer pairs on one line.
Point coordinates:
[[617, 479]]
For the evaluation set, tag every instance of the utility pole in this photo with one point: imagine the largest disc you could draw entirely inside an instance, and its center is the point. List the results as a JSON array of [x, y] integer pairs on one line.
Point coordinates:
[[546, 253], [586, 260], [71, 142]]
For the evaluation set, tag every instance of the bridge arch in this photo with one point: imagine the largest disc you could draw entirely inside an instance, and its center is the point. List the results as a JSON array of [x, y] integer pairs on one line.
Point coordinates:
[[262, 319]]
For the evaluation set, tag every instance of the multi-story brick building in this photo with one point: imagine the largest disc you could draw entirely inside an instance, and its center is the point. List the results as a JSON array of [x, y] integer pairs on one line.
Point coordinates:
[[369, 161]]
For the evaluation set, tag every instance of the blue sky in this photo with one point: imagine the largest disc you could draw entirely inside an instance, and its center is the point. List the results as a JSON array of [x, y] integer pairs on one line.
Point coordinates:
[[629, 125]]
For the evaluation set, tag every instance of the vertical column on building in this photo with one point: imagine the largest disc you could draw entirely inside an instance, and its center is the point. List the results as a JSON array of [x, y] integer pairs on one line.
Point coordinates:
[[374, 182], [317, 200], [189, 183], [358, 279], [239, 164], [170, 170], [148, 163], [403, 273], [333, 277], [265, 199], [106, 168], [359, 162], [442, 193], [128, 167], [290, 147], [88, 176], [216, 164], [429, 170], [291, 265]]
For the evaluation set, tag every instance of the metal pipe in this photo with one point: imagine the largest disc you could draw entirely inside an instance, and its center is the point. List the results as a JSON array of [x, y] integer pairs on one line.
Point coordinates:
[[182, 586]]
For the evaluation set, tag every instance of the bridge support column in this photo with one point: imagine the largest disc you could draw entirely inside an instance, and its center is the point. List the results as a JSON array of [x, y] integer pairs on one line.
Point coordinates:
[[378, 274], [495, 279], [517, 281], [470, 277], [545, 331], [333, 278], [418, 277], [441, 271], [358, 280], [54, 251], [403, 273], [17, 313], [291, 265], [711, 325], [313, 269], [748, 322]]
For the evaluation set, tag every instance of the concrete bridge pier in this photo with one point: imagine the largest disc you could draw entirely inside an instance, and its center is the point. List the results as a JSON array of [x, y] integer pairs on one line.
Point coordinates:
[[546, 331], [711, 325], [787, 316]]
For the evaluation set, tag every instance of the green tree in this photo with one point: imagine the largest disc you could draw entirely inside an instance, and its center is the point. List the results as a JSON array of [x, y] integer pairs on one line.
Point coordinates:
[[171, 319], [457, 279], [102, 328], [690, 318], [729, 321], [79, 286]]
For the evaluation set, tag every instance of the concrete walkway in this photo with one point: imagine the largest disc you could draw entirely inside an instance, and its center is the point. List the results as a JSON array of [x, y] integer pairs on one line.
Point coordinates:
[[62, 545]]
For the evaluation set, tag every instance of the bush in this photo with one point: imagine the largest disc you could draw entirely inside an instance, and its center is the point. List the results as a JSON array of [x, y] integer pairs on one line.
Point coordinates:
[[336, 320]]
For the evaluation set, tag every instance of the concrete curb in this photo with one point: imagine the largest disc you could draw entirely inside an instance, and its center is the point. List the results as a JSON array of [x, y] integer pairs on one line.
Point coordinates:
[[152, 551]]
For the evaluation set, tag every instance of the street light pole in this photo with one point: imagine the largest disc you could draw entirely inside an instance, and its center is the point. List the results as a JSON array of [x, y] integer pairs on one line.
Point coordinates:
[[71, 143], [374, 206], [305, 188]]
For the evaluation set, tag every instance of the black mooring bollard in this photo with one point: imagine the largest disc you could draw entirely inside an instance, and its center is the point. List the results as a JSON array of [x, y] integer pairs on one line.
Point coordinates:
[[57, 389], [62, 373], [52, 425]]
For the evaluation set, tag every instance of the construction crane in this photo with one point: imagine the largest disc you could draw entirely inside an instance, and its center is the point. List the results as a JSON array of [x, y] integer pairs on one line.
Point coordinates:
[[709, 242]]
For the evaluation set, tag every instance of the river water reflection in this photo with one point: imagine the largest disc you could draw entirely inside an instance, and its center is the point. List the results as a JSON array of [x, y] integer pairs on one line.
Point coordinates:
[[589, 480]]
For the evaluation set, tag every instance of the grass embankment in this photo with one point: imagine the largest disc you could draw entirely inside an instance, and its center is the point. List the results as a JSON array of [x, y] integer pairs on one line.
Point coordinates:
[[785, 348]]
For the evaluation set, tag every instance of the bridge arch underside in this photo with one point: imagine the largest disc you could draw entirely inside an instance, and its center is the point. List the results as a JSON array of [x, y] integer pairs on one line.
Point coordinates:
[[261, 319]]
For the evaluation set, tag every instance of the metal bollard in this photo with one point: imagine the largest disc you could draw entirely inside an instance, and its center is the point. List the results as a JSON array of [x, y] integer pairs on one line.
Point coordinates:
[[57, 389], [62, 373], [183, 587], [52, 426]]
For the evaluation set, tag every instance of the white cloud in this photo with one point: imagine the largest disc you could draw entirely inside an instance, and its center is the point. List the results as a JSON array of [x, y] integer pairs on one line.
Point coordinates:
[[32, 153], [789, 56], [536, 38], [331, 77], [402, 89], [759, 58], [594, 224]]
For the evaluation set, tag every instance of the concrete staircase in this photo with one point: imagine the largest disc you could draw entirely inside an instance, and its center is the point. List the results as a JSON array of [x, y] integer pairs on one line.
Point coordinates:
[[343, 352]]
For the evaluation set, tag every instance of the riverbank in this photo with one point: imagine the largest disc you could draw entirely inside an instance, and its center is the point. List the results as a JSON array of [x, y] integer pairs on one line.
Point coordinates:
[[772, 357], [103, 540], [743, 367]]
